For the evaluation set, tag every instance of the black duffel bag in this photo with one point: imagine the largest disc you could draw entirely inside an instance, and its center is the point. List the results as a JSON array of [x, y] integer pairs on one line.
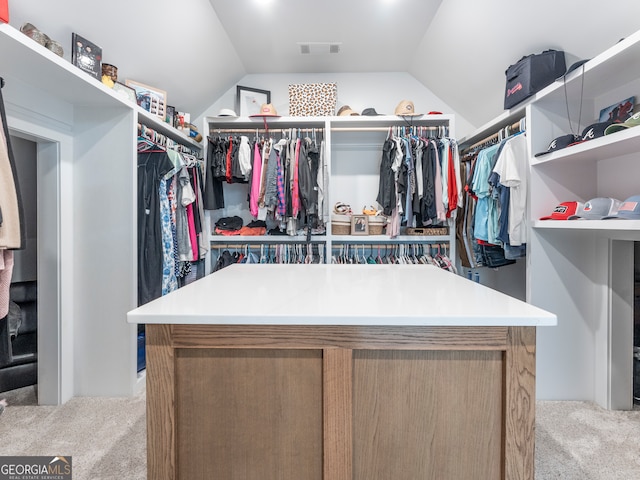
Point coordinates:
[[531, 74]]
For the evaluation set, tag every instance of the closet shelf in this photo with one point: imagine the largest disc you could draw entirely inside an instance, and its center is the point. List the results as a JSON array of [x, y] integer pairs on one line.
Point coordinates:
[[385, 239], [257, 239], [614, 145], [505, 119], [154, 122], [608, 71], [27, 61], [30, 63], [213, 124], [592, 225]]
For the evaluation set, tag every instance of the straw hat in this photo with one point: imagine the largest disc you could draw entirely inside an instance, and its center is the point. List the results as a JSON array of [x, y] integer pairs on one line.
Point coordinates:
[[406, 109], [266, 110], [346, 111]]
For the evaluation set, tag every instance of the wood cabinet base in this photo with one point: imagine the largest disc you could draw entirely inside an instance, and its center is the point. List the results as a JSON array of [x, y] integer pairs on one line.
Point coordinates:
[[340, 403]]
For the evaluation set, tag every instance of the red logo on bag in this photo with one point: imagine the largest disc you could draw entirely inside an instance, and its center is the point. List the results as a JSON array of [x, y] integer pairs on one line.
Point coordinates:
[[513, 90]]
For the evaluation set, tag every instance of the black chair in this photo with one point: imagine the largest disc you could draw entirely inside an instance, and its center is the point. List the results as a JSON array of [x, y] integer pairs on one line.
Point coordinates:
[[19, 349]]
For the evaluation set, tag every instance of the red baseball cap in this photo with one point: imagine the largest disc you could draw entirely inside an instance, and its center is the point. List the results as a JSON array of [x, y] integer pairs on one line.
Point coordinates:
[[564, 211]]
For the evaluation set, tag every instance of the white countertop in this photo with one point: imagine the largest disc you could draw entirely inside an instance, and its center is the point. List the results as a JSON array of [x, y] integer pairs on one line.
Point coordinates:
[[417, 295]]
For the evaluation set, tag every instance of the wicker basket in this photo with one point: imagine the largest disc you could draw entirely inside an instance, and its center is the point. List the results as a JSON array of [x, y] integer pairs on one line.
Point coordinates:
[[340, 224], [427, 231], [376, 225]]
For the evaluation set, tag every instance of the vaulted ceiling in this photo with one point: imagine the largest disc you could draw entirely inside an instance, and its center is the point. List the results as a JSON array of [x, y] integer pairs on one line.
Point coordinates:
[[197, 49]]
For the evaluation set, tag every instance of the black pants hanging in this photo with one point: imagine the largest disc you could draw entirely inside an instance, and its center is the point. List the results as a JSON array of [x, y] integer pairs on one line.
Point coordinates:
[[152, 166]]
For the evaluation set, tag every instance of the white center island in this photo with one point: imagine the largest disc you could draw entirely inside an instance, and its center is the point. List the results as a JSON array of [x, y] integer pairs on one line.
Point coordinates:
[[340, 372]]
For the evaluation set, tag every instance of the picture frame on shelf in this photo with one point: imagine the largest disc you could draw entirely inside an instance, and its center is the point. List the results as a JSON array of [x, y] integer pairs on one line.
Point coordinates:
[[249, 100], [125, 92], [171, 115], [359, 225], [151, 99], [618, 112], [86, 55]]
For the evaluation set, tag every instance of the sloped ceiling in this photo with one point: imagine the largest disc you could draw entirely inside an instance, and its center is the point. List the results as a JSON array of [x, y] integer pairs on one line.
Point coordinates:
[[197, 49], [469, 45], [372, 35]]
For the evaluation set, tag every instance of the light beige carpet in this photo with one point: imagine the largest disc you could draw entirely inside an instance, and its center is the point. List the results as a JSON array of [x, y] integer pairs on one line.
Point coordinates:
[[106, 437], [581, 441]]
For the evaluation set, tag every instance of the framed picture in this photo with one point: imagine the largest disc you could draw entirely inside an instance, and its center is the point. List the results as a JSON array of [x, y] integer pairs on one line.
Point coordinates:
[[249, 100], [359, 225], [86, 55], [124, 92], [151, 99], [171, 115], [617, 113]]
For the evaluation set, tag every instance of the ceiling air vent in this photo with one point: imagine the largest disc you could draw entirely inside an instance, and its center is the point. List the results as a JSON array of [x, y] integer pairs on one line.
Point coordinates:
[[319, 48]]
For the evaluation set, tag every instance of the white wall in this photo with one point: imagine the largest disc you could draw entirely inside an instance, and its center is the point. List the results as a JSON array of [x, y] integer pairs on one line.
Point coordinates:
[[382, 91]]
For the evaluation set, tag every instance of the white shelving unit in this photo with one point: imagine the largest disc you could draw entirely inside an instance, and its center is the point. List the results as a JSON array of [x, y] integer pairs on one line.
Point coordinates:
[[87, 278], [354, 150], [582, 270]]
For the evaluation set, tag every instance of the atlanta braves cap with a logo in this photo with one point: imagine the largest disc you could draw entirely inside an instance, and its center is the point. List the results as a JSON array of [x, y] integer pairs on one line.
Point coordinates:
[[628, 210], [595, 130], [564, 211], [632, 121], [597, 209], [559, 143]]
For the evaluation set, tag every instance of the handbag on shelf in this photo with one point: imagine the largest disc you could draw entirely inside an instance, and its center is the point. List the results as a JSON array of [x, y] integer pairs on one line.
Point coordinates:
[[531, 74]]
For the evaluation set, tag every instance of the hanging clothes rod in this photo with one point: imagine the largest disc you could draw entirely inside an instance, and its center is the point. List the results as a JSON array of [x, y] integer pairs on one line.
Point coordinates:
[[213, 131], [333, 129], [515, 127], [384, 129]]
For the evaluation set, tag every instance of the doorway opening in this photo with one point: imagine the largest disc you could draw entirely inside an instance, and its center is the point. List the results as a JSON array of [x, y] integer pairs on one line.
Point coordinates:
[[36, 280]]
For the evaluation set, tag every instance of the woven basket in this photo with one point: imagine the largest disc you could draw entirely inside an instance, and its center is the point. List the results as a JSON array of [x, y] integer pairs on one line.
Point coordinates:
[[376, 225], [427, 231], [376, 229], [340, 224]]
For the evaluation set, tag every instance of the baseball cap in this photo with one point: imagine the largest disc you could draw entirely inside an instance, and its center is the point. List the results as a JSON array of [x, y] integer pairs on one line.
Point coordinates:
[[564, 210], [595, 130], [632, 121], [597, 209], [559, 143], [628, 210], [574, 66]]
